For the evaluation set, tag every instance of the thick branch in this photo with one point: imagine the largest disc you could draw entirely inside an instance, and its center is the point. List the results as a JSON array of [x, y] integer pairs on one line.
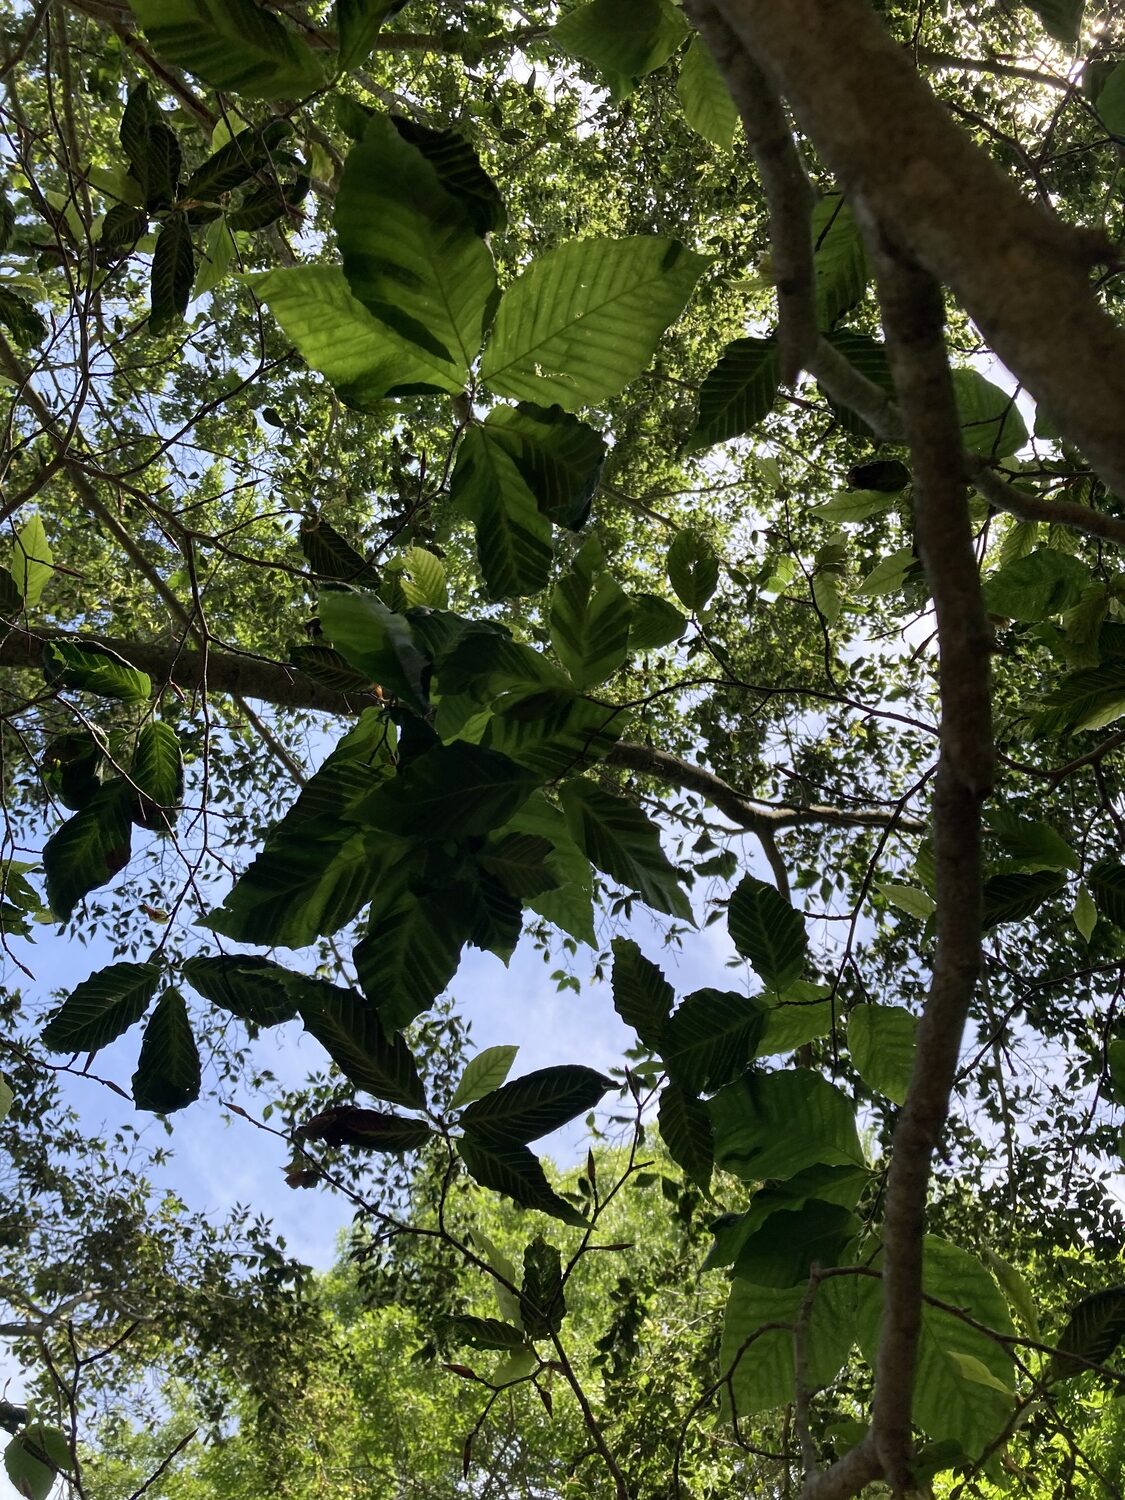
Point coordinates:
[[789, 196], [913, 317], [1020, 273]]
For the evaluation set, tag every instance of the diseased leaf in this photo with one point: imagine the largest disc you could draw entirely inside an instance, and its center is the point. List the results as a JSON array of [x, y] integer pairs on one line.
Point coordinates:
[[480, 1333], [99, 1009], [168, 1073], [368, 1129]]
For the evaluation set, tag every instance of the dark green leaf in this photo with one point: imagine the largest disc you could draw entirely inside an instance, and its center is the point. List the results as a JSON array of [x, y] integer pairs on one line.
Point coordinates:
[[584, 320], [33, 1459], [1062, 19], [331, 557], [617, 838], [783, 1251], [737, 394], [378, 643], [693, 568], [554, 732], [710, 1038], [513, 1171], [306, 883], [168, 1073], [513, 536], [90, 848], [1094, 1329], [357, 26], [767, 931], [102, 1007], [1084, 700], [654, 623], [590, 617], [161, 172], [642, 997], [348, 1125], [235, 162], [451, 792], [685, 1128], [411, 953], [459, 171], [347, 1027], [95, 669], [534, 1105], [1035, 845], [1011, 898], [250, 987], [70, 767], [234, 45], [411, 254], [480, 1333], [330, 669], [158, 775], [139, 114], [542, 1303], [23, 321], [173, 271], [1107, 883], [869, 357], [520, 862], [123, 226]]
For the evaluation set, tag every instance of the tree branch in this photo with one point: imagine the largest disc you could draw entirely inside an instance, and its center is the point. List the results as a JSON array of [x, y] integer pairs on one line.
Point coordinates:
[[789, 196], [1019, 272]]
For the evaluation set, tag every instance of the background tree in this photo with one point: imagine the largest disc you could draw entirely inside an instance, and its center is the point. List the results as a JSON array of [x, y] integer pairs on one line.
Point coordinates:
[[463, 398]]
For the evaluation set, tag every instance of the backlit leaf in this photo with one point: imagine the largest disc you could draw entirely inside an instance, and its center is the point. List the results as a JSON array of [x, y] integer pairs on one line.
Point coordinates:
[[99, 1009], [168, 1073]]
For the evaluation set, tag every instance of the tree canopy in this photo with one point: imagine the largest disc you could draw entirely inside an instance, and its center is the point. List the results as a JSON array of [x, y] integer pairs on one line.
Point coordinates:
[[576, 474]]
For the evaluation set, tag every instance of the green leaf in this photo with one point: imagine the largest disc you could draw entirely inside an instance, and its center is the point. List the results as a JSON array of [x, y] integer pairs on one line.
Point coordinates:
[[1094, 1329], [869, 357], [554, 732], [410, 954], [450, 792], [480, 1333], [685, 1128], [840, 1185], [123, 226], [411, 254], [483, 1073], [854, 505], [34, 1458], [368, 1129], [767, 932], [693, 568], [347, 1027], [332, 557], [589, 617], [778, 1124], [1016, 1290], [839, 260], [23, 321], [95, 669], [235, 162], [173, 271], [798, 1014], [99, 1009], [585, 319], [533, 1105], [757, 1366], [1110, 101], [250, 987], [507, 1299], [908, 898], [357, 26], [1084, 700], [710, 1038], [519, 862], [90, 848], [1085, 915], [618, 839], [654, 623], [336, 335], [31, 566], [158, 775], [459, 171], [889, 575], [1012, 898], [421, 576], [215, 257], [6, 1097], [168, 1073], [1107, 884], [783, 1251], [558, 458], [707, 104], [306, 883], [377, 642], [990, 420], [1031, 588], [1062, 19], [542, 1303], [515, 1172], [951, 1399], [624, 39], [642, 997], [1034, 845], [570, 906], [234, 45], [882, 1039], [737, 394]]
